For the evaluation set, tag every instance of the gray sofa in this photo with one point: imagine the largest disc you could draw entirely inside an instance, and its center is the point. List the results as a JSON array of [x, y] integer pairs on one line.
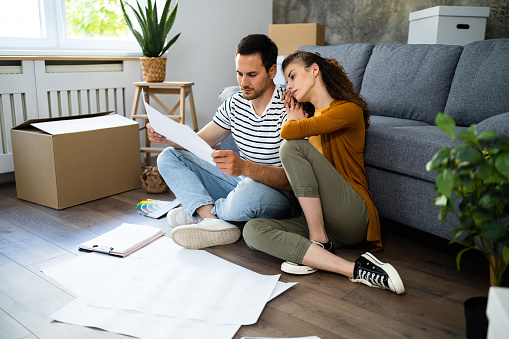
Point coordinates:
[[405, 87]]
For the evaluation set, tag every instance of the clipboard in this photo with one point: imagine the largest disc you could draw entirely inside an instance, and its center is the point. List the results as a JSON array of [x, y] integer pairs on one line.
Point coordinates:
[[123, 240]]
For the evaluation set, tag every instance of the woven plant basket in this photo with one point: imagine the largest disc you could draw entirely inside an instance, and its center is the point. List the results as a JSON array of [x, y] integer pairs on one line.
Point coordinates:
[[153, 69], [152, 181]]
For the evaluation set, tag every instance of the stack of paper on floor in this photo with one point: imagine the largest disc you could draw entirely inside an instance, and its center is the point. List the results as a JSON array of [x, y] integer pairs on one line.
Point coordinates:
[[163, 291]]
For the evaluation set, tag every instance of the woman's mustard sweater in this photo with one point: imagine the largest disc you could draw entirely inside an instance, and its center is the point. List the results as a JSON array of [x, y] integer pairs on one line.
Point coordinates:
[[343, 134]]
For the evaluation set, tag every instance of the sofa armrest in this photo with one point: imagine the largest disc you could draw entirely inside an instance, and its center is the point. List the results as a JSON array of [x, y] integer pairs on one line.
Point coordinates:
[[498, 123], [228, 92]]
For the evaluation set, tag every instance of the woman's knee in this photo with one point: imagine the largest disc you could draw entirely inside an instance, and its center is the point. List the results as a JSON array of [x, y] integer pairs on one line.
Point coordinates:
[[290, 147], [253, 232]]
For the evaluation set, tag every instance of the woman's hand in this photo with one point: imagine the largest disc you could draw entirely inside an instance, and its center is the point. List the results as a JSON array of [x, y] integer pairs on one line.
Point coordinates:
[[294, 109]]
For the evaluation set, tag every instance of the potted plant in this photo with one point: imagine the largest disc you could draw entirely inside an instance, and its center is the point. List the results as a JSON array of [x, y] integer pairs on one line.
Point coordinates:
[[477, 172], [152, 38]]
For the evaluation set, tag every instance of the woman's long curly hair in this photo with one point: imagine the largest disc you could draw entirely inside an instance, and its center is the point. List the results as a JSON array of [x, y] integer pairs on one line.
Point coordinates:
[[334, 77]]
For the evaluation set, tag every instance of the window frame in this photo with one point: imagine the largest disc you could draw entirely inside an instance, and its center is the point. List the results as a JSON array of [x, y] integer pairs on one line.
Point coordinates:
[[53, 21]]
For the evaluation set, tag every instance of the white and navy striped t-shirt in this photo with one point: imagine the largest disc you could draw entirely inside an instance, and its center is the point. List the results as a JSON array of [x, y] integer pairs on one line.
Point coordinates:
[[257, 137]]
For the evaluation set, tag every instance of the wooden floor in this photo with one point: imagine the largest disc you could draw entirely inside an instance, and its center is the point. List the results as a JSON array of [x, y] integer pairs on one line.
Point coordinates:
[[321, 304]]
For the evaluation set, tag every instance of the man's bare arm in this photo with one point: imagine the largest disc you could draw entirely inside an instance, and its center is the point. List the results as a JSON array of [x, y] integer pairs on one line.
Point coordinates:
[[230, 163], [211, 133]]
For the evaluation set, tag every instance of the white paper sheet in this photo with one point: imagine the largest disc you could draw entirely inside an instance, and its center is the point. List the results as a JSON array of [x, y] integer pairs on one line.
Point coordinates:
[[86, 273], [180, 134], [220, 296], [140, 324], [82, 125]]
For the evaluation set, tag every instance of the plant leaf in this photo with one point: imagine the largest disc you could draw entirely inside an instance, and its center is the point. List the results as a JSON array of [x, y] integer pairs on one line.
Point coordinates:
[[445, 183], [445, 123], [502, 163], [441, 201], [458, 257], [492, 230], [437, 161], [467, 136], [505, 255], [467, 154]]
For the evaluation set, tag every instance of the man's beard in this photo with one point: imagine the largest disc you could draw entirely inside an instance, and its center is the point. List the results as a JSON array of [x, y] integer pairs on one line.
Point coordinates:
[[254, 94]]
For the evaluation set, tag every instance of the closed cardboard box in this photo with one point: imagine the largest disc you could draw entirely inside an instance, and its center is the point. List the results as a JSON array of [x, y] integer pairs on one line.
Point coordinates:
[[449, 25], [289, 37], [67, 161]]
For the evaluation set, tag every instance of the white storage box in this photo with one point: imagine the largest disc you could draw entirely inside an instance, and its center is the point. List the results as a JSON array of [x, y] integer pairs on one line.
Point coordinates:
[[498, 312], [449, 25]]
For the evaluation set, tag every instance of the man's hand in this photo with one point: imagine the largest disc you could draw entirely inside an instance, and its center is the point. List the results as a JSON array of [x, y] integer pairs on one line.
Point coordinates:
[[154, 137], [229, 162]]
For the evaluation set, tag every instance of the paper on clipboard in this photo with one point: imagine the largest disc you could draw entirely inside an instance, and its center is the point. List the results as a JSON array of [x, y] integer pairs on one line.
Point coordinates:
[[179, 134]]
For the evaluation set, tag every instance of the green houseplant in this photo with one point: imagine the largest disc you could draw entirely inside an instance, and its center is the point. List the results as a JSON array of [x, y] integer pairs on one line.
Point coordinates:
[[152, 36], [476, 171]]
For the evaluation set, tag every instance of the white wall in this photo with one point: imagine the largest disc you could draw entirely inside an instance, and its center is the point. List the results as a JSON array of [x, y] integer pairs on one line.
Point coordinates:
[[204, 53]]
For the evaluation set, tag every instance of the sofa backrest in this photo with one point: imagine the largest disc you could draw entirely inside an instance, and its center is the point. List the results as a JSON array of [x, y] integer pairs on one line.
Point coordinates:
[[353, 58], [480, 88], [409, 81]]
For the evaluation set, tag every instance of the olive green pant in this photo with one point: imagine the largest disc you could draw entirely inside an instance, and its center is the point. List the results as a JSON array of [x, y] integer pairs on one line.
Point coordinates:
[[311, 175]]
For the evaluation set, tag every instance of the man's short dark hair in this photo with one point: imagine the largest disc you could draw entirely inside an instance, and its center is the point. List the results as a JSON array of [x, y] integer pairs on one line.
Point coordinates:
[[258, 43]]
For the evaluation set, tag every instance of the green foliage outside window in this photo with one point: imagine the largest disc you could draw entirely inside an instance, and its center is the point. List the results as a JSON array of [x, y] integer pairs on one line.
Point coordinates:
[[95, 18]]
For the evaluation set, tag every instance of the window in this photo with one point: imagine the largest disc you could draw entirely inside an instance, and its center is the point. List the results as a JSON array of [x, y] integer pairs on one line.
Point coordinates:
[[86, 25], [21, 24]]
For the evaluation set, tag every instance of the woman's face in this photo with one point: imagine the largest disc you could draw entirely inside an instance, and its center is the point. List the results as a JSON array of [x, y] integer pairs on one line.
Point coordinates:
[[300, 81]]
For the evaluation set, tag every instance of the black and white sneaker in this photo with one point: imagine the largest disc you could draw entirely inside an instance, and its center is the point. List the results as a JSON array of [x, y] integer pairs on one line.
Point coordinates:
[[293, 268], [374, 273]]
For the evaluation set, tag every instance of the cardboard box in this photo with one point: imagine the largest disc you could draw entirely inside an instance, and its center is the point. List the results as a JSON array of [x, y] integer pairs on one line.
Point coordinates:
[[67, 161], [289, 37], [449, 25]]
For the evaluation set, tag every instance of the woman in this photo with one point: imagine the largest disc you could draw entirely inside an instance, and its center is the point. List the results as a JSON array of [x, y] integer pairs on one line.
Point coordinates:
[[327, 175]]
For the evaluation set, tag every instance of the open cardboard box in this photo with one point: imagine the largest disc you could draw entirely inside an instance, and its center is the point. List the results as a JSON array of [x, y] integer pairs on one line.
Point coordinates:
[[62, 162]]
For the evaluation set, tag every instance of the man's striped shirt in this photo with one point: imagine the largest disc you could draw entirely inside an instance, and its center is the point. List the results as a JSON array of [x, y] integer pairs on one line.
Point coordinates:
[[257, 137]]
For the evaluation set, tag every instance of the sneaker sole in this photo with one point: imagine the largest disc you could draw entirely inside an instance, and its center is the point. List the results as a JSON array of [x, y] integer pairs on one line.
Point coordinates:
[[197, 238], [292, 268], [393, 274]]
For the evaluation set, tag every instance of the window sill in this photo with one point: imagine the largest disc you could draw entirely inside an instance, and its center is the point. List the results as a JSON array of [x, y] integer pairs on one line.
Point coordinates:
[[67, 55]]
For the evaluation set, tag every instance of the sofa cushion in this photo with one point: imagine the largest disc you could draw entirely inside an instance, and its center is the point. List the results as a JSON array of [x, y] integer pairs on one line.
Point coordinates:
[[409, 81], [381, 121], [498, 123], [405, 150], [353, 58], [480, 88]]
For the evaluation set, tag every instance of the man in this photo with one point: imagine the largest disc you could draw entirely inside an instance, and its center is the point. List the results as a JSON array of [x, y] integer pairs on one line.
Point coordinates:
[[239, 188]]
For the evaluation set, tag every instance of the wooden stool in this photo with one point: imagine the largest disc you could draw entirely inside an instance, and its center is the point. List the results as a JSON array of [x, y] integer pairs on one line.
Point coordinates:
[[167, 87]]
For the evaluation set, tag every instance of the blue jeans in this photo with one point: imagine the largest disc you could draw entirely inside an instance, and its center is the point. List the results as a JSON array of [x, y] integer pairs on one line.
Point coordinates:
[[197, 183]]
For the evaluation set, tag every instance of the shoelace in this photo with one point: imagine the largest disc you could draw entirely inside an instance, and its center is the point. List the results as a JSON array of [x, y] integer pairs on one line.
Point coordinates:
[[373, 278]]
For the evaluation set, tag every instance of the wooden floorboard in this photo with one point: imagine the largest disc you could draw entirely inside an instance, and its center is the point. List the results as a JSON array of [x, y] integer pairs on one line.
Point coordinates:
[[321, 304]]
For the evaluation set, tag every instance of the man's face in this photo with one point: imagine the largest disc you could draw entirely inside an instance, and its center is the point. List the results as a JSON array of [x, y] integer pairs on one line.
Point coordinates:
[[252, 77]]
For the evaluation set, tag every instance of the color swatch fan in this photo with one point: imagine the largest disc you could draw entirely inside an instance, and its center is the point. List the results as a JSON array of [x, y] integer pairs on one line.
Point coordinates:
[[155, 208]]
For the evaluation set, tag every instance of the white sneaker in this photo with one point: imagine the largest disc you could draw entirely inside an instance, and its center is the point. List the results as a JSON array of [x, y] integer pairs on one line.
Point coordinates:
[[178, 216], [207, 233], [293, 268]]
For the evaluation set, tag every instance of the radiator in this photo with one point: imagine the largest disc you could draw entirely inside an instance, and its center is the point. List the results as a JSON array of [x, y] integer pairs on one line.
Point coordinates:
[[31, 89]]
